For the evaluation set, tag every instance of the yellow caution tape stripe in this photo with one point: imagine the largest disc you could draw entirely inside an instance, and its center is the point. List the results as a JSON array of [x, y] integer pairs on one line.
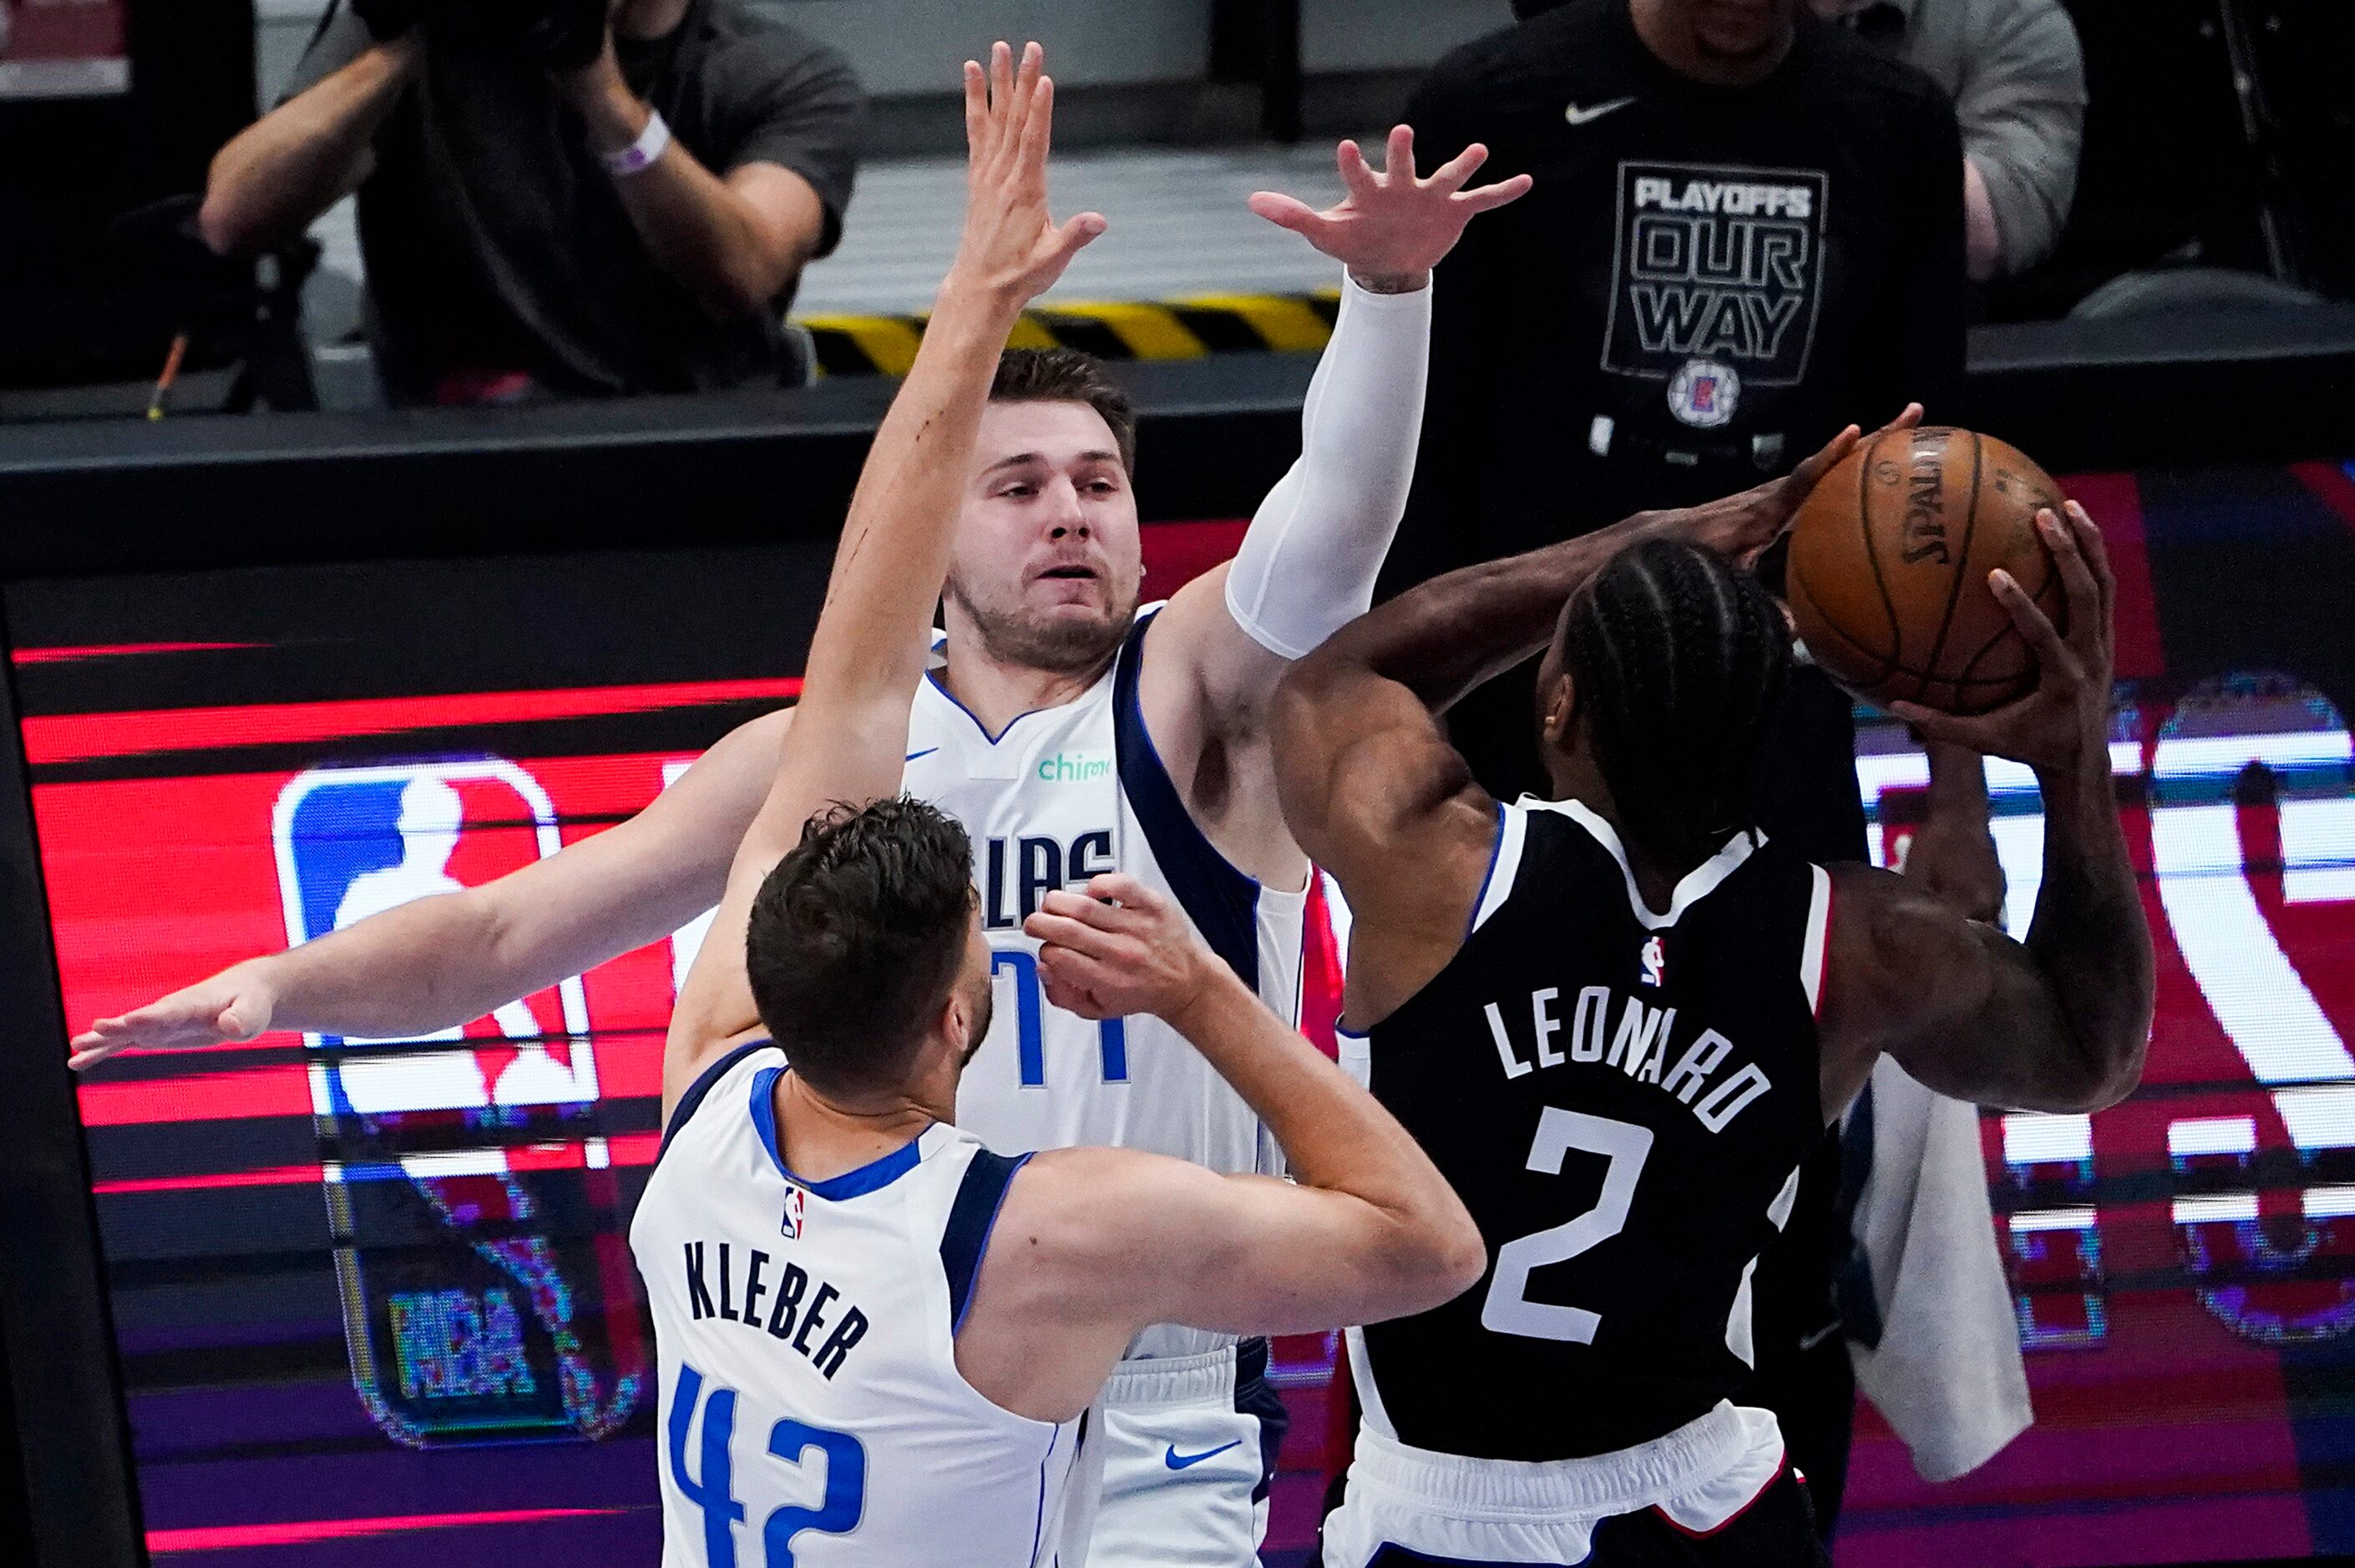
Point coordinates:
[[1188, 328]]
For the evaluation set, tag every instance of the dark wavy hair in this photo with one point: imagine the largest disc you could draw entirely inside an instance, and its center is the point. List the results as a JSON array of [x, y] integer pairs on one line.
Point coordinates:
[[1679, 661], [857, 938], [1068, 375]]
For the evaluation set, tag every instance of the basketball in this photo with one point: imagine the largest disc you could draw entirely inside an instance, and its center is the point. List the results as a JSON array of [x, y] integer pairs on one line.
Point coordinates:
[[1890, 556]]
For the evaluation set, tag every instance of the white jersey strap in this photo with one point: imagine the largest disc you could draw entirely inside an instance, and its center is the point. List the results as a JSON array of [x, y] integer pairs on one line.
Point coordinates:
[[700, 1090]]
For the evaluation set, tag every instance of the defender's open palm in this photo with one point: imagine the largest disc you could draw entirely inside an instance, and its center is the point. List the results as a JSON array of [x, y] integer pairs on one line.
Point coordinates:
[[229, 1006], [1106, 960], [2056, 727], [1393, 225], [1011, 243]]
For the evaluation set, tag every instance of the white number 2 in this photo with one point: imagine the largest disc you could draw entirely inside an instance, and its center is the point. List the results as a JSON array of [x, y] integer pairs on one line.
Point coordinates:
[[1508, 1309]]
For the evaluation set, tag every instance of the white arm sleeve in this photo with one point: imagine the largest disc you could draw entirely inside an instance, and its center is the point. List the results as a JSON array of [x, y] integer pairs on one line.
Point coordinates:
[[1307, 568]]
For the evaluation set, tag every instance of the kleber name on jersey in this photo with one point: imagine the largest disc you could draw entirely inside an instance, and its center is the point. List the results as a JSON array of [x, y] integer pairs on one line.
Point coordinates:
[[783, 1305], [1719, 265]]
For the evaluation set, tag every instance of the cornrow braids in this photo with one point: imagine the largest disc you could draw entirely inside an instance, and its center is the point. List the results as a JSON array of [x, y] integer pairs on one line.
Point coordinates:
[[1680, 660]]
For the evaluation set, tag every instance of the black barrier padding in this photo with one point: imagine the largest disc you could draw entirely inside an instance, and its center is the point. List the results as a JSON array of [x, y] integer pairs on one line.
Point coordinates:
[[1215, 433], [54, 1310]]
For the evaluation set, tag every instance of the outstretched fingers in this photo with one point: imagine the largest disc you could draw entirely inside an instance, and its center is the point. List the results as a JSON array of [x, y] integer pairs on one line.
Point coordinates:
[[1356, 172], [1288, 212], [1037, 126], [2035, 626], [1397, 154], [976, 111], [1487, 198], [1451, 176]]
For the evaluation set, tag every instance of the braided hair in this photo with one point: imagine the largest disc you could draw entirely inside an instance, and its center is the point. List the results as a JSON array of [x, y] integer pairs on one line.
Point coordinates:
[[1679, 659]]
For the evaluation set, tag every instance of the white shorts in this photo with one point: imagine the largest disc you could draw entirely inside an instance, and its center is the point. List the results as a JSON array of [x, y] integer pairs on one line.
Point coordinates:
[[1188, 1446], [1502, 1511]]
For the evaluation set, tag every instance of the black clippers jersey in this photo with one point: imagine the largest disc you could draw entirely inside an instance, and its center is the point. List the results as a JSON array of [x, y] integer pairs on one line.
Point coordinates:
[[1622, 1100]]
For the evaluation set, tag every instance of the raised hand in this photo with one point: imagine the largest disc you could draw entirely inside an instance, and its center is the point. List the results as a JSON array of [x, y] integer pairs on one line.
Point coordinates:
[[1106, 960], [1740, 527], [1011, 245], [2065, 722], [1392, 228], [232, 1005]]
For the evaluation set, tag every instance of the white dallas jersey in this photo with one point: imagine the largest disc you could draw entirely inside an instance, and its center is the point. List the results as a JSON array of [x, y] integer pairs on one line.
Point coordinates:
[[1063, 794], [811, 1411]]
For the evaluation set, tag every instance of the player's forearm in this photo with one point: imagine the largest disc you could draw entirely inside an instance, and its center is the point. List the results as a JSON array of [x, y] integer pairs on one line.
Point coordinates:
[[421, 967], [1308, 561], [1446, 637], [698, 230], [281, 172], [1334, 1134], [2090, 938]]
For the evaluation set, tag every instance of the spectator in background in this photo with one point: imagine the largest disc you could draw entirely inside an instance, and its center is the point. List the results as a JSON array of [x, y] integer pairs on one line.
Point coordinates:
[[558, 198], [1746, 232], [2016, 76]]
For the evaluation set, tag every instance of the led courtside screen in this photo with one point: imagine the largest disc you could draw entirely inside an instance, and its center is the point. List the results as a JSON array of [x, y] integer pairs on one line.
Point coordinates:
[[373, 1298]]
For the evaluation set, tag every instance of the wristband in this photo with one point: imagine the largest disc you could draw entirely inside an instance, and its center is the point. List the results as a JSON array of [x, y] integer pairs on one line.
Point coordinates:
[[641, 153]]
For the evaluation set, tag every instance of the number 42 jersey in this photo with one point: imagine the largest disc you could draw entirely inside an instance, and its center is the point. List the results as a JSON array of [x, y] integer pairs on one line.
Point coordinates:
[[1623, 1098], [811, 1413]]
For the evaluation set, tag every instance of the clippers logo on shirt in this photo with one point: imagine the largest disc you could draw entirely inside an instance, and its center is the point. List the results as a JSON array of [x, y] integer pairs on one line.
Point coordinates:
[[1719, 265]]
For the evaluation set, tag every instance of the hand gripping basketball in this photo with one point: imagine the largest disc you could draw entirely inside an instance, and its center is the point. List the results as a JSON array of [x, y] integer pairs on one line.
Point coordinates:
[[2066, 718], [1740, 527]]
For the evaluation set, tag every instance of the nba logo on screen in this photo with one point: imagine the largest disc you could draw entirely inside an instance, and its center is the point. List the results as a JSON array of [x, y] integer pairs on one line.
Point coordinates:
[[485, 1299], [1656, 962], [356, 842]]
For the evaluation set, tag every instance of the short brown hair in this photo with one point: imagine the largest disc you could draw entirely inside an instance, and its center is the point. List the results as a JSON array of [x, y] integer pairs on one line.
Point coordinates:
[[1067, 376], [857, 938]]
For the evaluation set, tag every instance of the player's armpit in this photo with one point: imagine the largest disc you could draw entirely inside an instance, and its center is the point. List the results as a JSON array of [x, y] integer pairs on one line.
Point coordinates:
[[1962, 1007], [1378, 797]]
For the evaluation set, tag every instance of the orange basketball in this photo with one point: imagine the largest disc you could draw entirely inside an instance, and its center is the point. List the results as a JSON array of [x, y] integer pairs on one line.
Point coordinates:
[[1890, 556]]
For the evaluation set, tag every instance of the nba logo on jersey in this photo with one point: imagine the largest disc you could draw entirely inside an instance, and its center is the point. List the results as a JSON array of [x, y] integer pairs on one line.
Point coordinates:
[[484, 1135], [796, 1201], [1656, 961]]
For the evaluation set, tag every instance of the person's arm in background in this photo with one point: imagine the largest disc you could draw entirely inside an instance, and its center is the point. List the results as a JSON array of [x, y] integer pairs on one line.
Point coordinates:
[[2022, 110], [736, 239], [869, 651], [278, 174], [1953, 854], [438, 961]]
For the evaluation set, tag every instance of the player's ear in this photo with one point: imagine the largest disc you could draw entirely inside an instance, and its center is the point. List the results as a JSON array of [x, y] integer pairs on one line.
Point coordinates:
[[1559, 708]]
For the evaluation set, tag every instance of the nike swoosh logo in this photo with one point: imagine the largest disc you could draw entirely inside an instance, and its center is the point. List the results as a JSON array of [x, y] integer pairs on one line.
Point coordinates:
[[926, 752], [1578, 116], [1177, 1461], [1820, 1335]]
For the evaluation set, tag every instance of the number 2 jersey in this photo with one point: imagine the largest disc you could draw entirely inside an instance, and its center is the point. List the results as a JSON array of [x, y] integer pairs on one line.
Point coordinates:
[[811, 1409], [1623, 1099], [1061, 795]]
